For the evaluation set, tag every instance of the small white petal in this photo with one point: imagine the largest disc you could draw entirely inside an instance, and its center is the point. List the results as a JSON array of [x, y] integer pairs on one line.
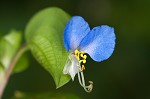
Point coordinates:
[[71, 66], [67, 66]]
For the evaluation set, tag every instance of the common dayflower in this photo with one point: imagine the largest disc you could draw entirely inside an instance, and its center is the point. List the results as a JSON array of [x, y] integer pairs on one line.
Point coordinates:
[[79, 40]]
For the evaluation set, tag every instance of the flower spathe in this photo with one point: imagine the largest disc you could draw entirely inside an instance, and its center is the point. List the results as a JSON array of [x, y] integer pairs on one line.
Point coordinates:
[[98, 42]]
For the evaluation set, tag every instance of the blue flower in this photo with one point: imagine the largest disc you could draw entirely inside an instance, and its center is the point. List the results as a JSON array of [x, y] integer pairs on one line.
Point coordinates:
[[79, 39]]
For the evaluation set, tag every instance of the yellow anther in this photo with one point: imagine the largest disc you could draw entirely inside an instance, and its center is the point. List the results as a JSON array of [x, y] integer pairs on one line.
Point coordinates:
[[84, 61], [84, 56], [77, 54], [83, 67], [81, 55], [81, 58]]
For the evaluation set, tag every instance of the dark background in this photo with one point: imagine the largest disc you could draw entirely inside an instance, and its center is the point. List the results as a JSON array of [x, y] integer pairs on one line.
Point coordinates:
[[126, 75]]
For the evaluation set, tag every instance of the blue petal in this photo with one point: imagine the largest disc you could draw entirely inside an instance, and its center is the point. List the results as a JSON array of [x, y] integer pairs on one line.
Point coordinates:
[[99, 43], [75, 30]]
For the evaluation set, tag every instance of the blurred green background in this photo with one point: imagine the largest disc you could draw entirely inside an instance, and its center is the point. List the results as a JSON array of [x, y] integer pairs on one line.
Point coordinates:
[[126, 75]]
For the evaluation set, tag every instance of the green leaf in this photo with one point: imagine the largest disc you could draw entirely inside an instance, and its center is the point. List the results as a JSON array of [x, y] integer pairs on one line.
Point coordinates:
[[47, 95], [9, 45], [44, 34], [22, 64]]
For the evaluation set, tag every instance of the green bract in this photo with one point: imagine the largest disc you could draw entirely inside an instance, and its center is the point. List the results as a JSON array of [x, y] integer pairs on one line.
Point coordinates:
[[44, 34]]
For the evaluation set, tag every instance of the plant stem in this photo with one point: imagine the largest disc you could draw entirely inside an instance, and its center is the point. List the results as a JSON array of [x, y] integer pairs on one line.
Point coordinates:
[[10, 68]]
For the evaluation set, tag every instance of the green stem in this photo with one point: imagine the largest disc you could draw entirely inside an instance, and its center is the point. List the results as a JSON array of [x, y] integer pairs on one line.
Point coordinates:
[[10, 68]]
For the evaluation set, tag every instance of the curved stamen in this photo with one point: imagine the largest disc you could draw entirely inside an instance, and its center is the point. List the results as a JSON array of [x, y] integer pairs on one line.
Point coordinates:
[[82, 82], [79, 79], [82, 59]]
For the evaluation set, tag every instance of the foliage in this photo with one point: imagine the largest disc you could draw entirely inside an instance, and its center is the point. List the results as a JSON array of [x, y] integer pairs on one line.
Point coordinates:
[[9, 45], [44, 37], [44, 34]]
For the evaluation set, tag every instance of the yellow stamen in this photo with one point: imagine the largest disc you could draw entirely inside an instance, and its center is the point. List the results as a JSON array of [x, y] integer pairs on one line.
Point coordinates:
[[82, 61], [81, 58], [85, 57], [83, 67], [81, 55], [77, 54]]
